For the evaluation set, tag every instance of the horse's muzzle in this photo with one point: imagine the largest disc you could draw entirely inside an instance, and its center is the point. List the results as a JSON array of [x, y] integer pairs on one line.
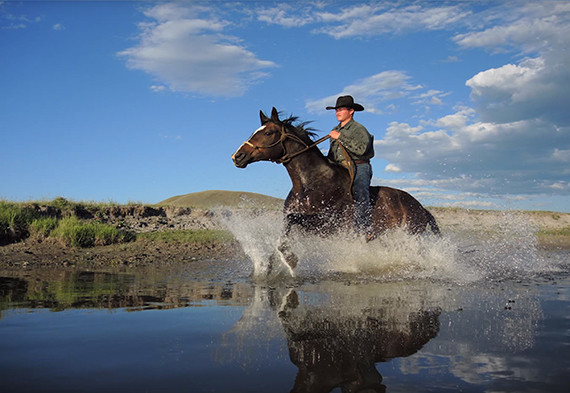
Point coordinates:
[[240, 159]]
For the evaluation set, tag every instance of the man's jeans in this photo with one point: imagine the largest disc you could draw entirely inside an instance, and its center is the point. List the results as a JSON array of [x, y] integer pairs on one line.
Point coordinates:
[[361, 193]]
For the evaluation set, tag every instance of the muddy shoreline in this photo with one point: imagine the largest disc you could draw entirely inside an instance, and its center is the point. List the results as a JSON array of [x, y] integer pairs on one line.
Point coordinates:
[[32, 253]]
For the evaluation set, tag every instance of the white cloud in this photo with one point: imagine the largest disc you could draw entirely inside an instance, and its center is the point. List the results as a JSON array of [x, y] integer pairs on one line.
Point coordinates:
[[431, 97], [167, 136], [514, 158], [382, 18], [536, 86], [371, 92], [561, 155], [157, 88], [451, 59], [528, 90], [392, 168], [285, 15], [183, 47], [528, 27], [443, 192], [560, 186], [456, 120], [58, 26], [12, 19]]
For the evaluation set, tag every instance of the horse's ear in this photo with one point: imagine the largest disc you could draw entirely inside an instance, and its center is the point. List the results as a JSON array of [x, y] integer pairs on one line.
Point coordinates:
[[274, 115], [264, 119]]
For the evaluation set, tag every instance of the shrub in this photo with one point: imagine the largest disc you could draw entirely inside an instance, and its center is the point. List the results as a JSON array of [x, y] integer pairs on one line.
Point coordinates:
[[61, 204]]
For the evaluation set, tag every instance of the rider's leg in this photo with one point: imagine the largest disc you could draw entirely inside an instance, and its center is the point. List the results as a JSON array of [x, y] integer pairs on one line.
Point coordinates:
[[361, 193]]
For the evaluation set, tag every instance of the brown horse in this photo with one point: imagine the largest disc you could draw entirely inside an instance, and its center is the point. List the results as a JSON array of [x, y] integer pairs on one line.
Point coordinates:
[[321, 200]]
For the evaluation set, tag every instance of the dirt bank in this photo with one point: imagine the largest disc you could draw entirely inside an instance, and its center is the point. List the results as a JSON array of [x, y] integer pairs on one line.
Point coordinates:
[[546, 221], [553, 227]]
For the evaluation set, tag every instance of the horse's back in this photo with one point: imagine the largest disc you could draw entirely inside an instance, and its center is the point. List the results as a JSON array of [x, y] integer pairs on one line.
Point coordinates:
[[396, 208]]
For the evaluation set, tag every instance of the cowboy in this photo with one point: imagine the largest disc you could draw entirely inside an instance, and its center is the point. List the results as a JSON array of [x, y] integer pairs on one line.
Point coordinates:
[[353, 138]]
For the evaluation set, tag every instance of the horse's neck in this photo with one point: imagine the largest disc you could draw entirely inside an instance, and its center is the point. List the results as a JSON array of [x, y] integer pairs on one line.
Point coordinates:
[[310, 168]]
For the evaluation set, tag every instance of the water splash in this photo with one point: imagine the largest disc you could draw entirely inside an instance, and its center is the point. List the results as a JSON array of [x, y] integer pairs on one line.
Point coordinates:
[[258, 232], [501, 248]]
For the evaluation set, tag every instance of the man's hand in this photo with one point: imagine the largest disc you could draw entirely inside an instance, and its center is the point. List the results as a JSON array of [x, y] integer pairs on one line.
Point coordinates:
[[334, 134]]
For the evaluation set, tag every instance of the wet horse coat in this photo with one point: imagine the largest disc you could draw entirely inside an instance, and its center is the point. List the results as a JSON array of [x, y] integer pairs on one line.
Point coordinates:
[[320, 199]]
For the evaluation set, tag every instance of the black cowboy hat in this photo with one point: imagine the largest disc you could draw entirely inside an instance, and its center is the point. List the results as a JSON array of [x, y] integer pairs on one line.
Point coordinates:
[[346, 102]]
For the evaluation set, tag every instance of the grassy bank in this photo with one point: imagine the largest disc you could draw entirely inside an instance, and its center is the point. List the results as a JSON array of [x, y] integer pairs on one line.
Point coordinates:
[[85, 225], [59, 219]]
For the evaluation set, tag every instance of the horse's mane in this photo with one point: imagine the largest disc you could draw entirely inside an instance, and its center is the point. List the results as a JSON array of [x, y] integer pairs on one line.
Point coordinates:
[[300, 129]]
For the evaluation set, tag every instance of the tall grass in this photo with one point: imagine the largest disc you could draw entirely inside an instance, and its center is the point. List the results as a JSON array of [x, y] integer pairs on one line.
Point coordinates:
[[42, 227], [14, 220], [77, 233]]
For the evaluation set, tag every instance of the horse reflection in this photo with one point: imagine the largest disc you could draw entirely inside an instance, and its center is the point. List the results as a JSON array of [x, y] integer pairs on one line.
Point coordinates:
[[337, 333], [342, 352]]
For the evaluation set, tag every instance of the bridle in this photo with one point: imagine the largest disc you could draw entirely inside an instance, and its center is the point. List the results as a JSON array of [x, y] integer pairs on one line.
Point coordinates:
[[285, 158]]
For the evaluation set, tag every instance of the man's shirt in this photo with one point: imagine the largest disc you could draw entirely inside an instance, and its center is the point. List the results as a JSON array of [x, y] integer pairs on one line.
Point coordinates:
[[356, 139]]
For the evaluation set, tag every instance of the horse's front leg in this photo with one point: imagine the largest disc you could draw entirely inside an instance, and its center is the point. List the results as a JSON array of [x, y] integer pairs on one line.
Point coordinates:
[[284, 252], [288, 256]]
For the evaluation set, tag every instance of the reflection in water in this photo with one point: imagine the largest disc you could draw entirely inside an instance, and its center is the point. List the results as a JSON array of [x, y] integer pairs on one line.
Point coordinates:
[[336, 333], [59, 290], [142, 290], [337, 351]]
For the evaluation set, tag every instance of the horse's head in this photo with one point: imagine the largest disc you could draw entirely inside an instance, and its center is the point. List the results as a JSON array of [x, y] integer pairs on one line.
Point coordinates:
[[265, 144]]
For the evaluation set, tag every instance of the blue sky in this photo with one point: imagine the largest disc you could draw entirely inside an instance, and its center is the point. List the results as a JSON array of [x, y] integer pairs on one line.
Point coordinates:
[[139, 101]]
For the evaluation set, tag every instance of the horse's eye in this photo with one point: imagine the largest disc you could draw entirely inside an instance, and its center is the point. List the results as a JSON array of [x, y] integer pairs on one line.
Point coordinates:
[[269, 132]]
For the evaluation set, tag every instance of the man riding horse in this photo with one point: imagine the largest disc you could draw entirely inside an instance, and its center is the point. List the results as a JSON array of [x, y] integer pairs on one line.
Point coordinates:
[[352, 146], [320, 200]]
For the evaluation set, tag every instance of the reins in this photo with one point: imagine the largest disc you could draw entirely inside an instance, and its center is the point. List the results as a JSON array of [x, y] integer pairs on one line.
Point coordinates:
[[287, 157]]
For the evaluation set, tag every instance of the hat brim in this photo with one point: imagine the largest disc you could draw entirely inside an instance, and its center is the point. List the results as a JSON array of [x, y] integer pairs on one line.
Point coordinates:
[[356, 107]]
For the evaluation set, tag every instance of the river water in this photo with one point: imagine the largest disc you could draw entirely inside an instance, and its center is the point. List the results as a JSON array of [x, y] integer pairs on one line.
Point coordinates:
[[476, 310]]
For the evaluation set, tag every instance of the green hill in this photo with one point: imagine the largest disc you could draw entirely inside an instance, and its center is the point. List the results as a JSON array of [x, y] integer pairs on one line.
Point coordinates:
[[216, 198]]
